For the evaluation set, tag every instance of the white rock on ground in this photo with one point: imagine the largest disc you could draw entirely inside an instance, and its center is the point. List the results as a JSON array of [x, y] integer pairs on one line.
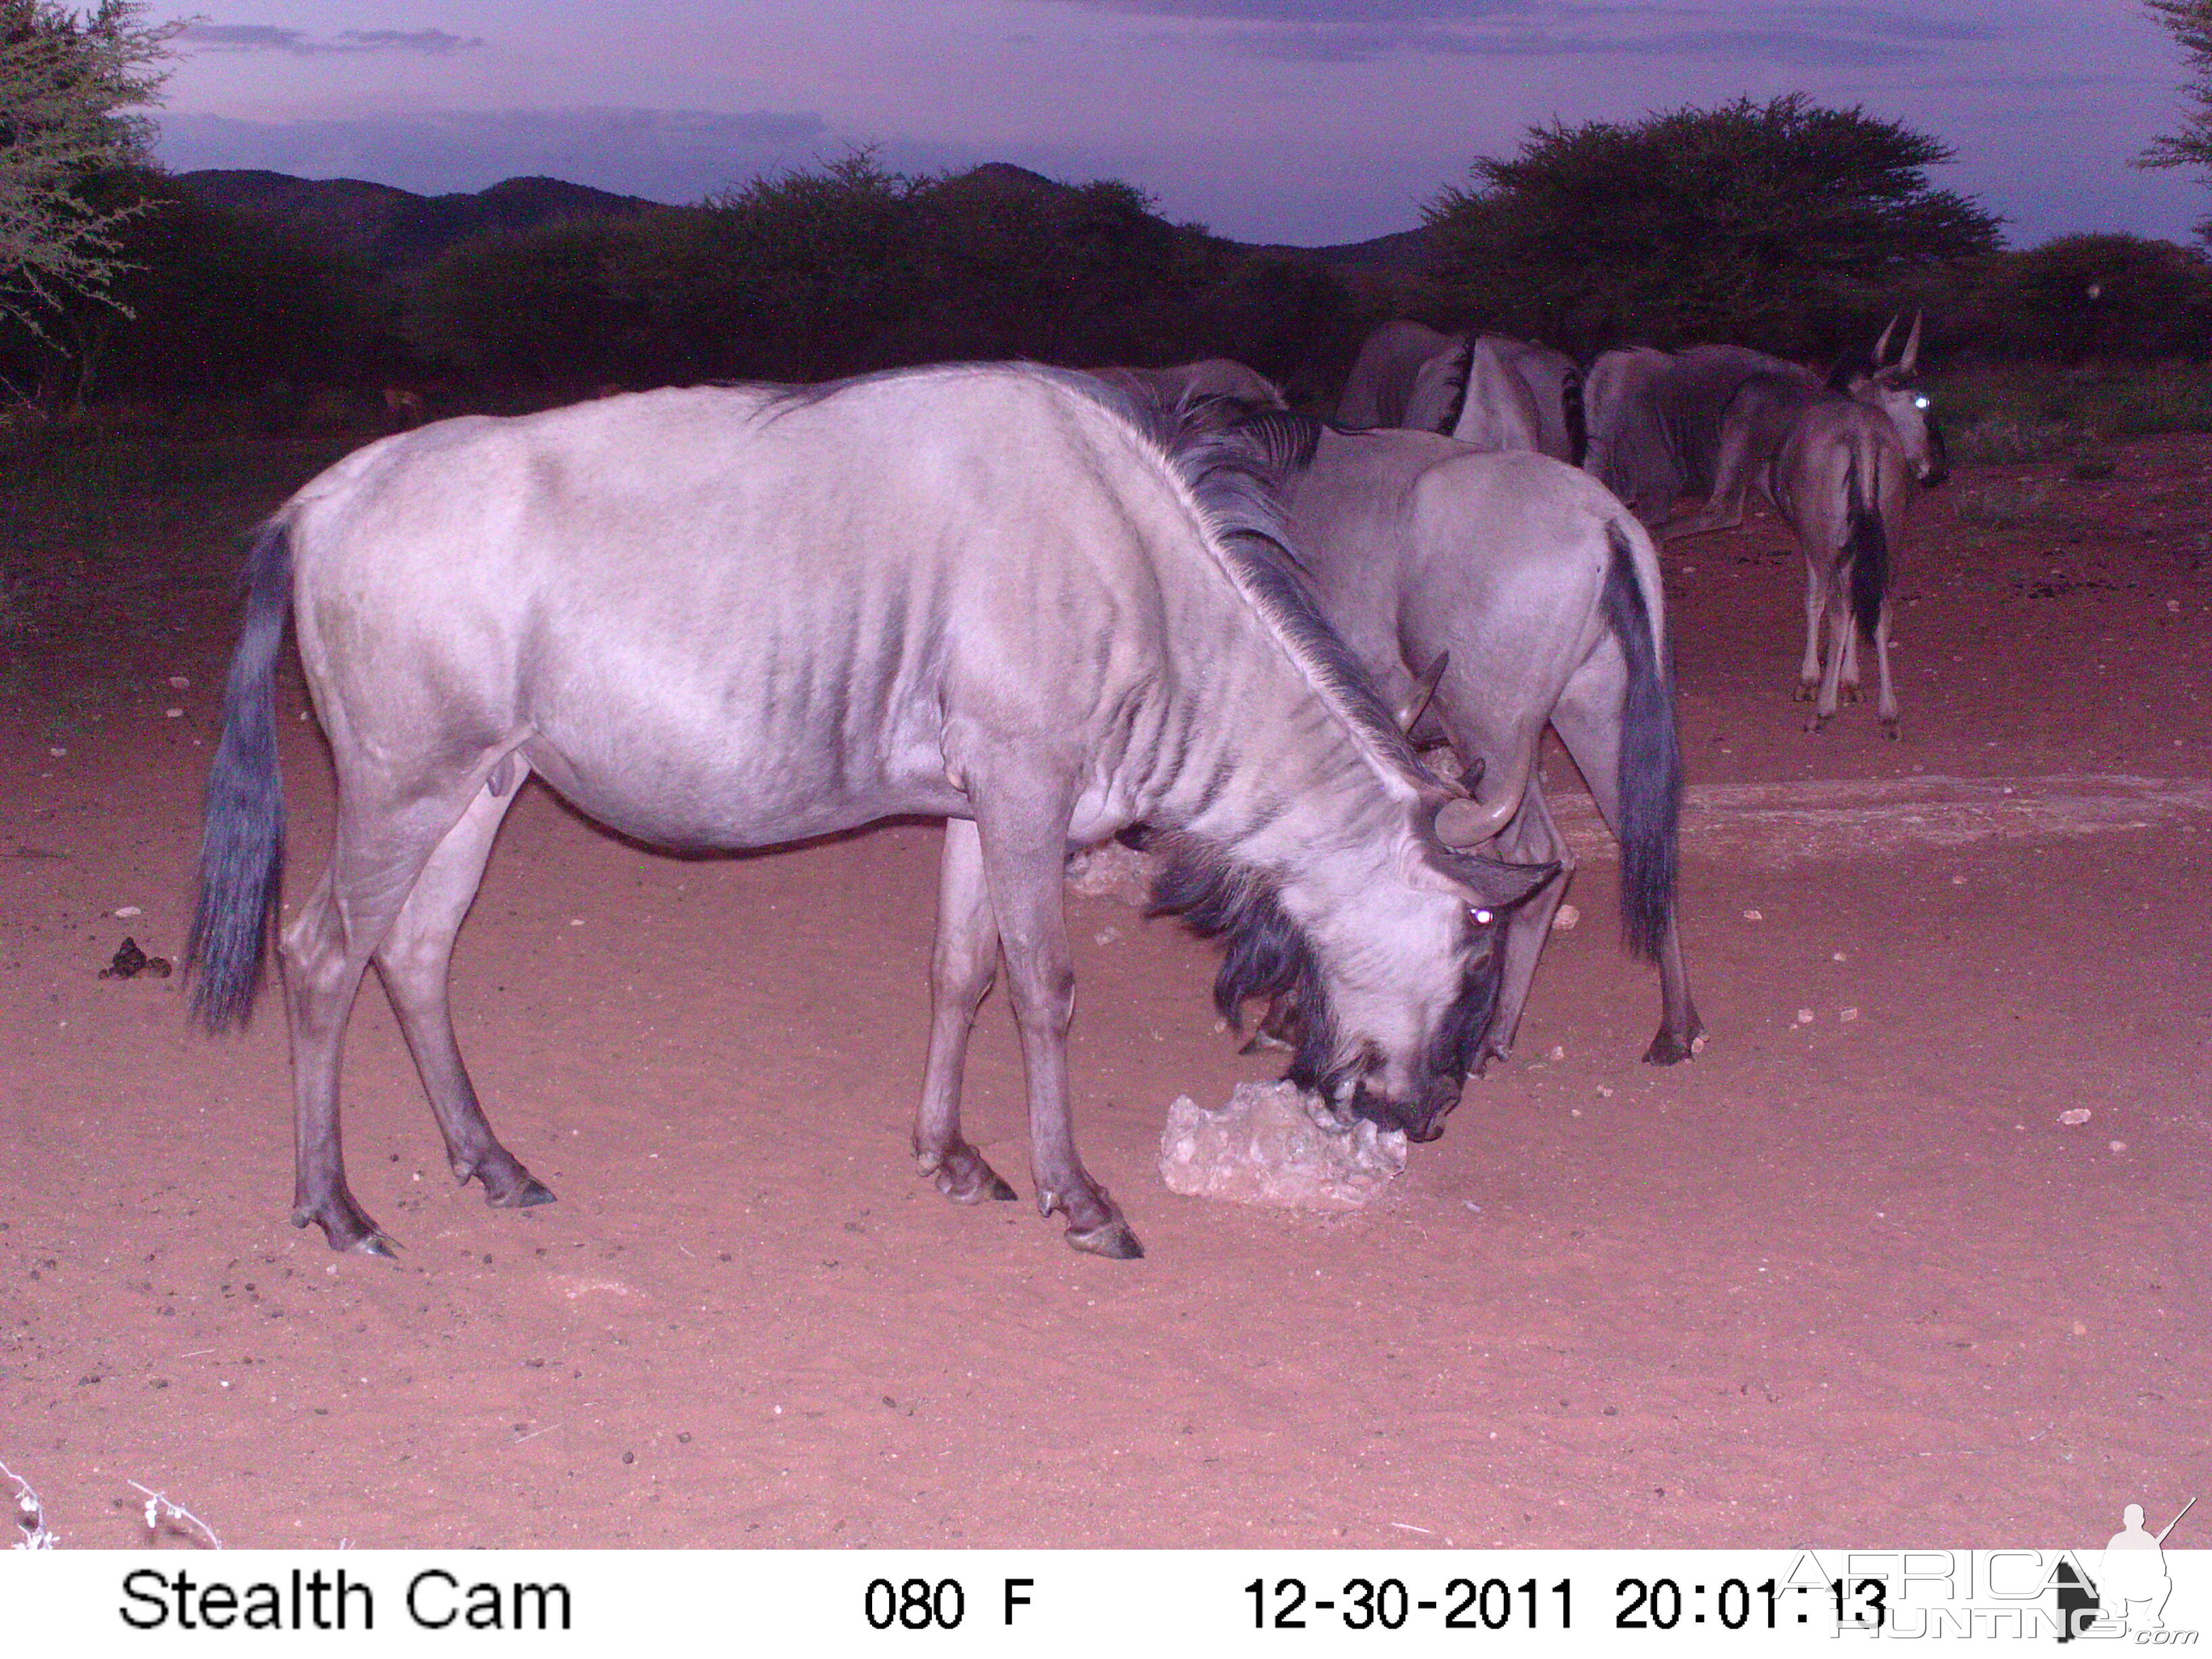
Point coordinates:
[[1111, 870], [1274, 1144]]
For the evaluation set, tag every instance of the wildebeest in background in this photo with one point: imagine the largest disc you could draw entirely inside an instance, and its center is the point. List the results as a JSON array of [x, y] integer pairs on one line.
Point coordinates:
[[742, 616], [1837, 461], [1656, 417], [1187, 383], [1546, 594], [1482, 389]]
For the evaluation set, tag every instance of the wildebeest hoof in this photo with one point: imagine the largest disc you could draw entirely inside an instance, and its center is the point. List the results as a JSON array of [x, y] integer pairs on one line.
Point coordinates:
[[1850, 693], [1818, 723], [962, 1176], [1111, 1239], [349, 1232], [1668, 1049], [1806, 690], [532, 1193], [1889, 727]]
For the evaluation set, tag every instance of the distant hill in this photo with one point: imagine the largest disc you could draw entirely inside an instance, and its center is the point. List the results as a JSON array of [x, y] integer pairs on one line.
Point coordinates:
[[393, 229]]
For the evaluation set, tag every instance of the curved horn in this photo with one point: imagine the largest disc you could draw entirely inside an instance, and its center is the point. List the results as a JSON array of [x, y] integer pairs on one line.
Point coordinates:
[[1471, 821], [1424, 692], [1881, 346], [1910, 359]]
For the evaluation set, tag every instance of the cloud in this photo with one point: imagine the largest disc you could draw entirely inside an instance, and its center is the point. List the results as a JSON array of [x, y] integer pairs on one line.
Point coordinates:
[[669, 156], [269, 37], [1350, 31]]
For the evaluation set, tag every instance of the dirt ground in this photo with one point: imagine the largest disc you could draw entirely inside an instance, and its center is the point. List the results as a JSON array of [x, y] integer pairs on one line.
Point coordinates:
[[1845, 1279]]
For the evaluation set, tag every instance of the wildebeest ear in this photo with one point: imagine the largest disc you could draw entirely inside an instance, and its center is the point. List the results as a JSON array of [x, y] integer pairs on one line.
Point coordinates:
[[1851, 368], [1497, 887]]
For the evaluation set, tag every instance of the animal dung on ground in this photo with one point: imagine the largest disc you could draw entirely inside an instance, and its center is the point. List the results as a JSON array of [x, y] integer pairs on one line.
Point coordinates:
[[128, 962], [1111, 870], [1273, 1144]]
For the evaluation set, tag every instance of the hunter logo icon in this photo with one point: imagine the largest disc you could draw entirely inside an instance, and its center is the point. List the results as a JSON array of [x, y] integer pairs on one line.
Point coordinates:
[[2131, 1585]]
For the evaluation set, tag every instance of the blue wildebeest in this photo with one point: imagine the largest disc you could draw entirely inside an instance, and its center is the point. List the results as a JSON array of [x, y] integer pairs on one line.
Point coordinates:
[[1654, 418], [743, 616], [1540, 597], [1186, 383], [1837, 461], [1482, 389]]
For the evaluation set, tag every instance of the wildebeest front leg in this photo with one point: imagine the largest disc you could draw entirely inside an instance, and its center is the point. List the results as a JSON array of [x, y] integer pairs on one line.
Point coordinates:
[[961, 971], [1531, 837], [414, 960], [1023, 821]]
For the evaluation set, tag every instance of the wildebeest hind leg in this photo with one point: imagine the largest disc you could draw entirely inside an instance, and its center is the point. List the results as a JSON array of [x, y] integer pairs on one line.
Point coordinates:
[[413, 961], [961, 971], [380, 852], [1816, 607], [1593, 737]]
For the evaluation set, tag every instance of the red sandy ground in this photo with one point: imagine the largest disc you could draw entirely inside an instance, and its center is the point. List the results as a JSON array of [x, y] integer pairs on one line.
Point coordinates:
[[1849, 1281]]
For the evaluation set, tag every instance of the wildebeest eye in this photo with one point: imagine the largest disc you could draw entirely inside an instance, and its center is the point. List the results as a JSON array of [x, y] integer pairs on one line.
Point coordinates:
[[1482, 916], [1919, 400]]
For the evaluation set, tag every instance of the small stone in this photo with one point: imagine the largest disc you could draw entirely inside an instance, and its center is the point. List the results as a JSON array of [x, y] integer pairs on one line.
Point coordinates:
[[178, 683], [57, 752], [1556, 1052], [127, 910], [1273, 1144], [1847, 1015], [1604, 1092], [2076, 1117], [1753, 915], [175, 713], [2118, 1145], [1107, 935], [1565, 918], [1958, 881], [1837, 956], [2080, 1329], [1806, 1017]]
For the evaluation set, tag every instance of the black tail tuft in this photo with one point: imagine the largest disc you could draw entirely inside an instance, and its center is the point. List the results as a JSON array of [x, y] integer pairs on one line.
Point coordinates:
[[242, 846], [1866, 545], [1577, 417], [1651, 759]]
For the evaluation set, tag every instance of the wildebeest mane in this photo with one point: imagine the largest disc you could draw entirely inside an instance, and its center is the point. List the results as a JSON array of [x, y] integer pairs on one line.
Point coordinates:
[[1265, 954], [1461, 371], [1240, 487]]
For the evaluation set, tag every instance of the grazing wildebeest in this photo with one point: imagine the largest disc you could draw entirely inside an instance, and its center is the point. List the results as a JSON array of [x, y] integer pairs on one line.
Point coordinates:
[[1483, 389], [1187, 383], [1836, 460], [1545, 595], [742, 616]]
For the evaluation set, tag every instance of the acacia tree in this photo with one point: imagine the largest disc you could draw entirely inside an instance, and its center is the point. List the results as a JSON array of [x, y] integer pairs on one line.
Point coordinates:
[[2190, 22], [69, 82], [1782, 224]]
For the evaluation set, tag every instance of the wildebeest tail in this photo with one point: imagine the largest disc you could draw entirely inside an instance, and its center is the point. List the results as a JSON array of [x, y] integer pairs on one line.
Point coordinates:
[[242, 844], [1866, 545], [1650, 758], [1576, 417]]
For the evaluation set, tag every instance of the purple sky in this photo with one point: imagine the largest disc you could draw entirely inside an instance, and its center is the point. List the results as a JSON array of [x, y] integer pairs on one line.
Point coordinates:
[[1305, 121]]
